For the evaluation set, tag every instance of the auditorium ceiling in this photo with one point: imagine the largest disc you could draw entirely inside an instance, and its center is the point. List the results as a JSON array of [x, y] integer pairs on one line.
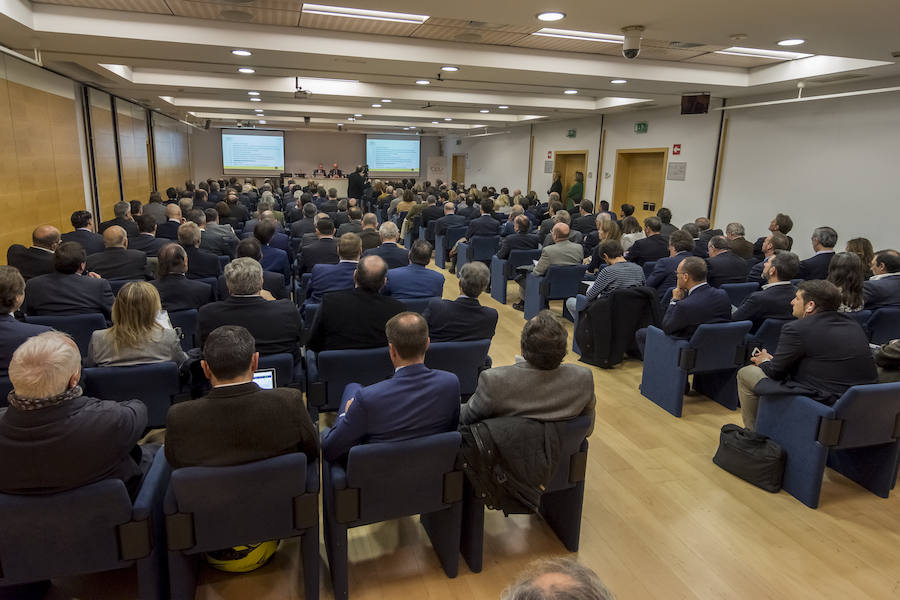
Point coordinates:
[[385, 61]]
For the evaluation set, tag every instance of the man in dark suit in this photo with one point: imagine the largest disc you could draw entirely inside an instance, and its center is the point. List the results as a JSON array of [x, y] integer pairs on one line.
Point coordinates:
[[355, 183], [653, 247], [176, 291], [369, 234], [415, 280], [741, 247], [13, 332], [332, 278], [820, 355], [393, 255], [450, 219], [122, 218], [416, 401], [780, 224], [354, 225], [663, 275], [468, 210], [323, 251], [146, 241], [776, 242], [38, 259], [706, 233], [274, 259], [665, 218], [824, 240], [431, 212], [883, 289], [774, 300], [330, 206], [483, 223], [66, 291], [307, 224], [272, 282], [202, 264], [700, 249], [237, 422], [694, 302], [274, 324], [335, 172], [169, 229], [520, 240], [82, 221], [724, 266], [586, 221], [355, 318], [117, 261], [463, 319]]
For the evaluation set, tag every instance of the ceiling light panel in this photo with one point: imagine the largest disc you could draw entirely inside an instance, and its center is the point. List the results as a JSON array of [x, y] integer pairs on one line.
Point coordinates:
[[761, 53], [586, 36], [359, 13]]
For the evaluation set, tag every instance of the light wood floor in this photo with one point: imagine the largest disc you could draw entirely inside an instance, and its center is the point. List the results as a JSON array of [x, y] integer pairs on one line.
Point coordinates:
[[660, 521]]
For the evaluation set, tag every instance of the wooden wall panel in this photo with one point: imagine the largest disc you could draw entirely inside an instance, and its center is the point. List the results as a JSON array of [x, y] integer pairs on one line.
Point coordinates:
[[172, 152], [133, 150], [104, 144]]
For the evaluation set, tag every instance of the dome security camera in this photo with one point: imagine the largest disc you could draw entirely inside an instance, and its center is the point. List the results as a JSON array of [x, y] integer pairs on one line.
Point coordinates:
[[631, 47]]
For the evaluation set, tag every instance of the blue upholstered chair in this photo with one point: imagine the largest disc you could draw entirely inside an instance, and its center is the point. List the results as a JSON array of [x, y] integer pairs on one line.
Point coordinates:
[[211, 508], [884, 325], [213, 282], [480, 248], [5, 388], [223, 260], [390, 480], [155, 384], [558, 283], [648, 267], [444, 243], [328, 373], [713, 355], [504, 270], [738, 292], [186, 321], [285, 371], [766, 337], [463, 359], [117, 284], [581, 303], [858, 437], [561, 503], [417, 304], [87, 530], [300, 288], [80, 327]]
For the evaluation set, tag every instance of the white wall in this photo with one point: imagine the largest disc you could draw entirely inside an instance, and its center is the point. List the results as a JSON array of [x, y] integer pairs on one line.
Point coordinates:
[[497, 160], [551, 137]]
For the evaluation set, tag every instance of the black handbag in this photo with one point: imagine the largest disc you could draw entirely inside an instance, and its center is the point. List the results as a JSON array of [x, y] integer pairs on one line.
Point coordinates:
[[751, 456]]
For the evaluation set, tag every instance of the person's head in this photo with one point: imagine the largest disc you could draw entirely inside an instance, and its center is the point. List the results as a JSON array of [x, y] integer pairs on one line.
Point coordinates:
[[652, 226], [563, 216], [244, 277], [122, 210], [522, 224], [370, 275], [172, 260], [602, 216], [45, 366], [134, 314], [69, 258], [229, 355], [171, 193], [664, 215], [560, 232], [407, 336], [420, 253], [556, 176], [774, 242], [690, 272], [389, 232], [680, 241], [586, 207], [46, 237], [349, 246], [846, 272], [249, 248], [553, 198], [146, 224], [355, 213], [82, 219], [610, 250], [332, 192], [487, 206], [557, 579], [579, 176], [263, 231], [734, 231], [369, 221], [12, 289], [324, 227], [782, 223], [474, 278], [543, 341], [886, 261], [470, 200], [824, 238], [189, 234], [692, 230], [609, 230], [449, 208], [309, 210], [784, 266], [136, 208], [197, 216], [604, 205], [862, 247], [212, 215], [173, 212], [115, 237], [186, 205], [627, 210], [717, 245], [554, 206], [630, 225], [815, 296], [702, 223]]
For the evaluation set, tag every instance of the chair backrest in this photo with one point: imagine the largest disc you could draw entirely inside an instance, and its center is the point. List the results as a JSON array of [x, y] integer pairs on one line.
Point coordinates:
[[155, 384], [463, 359], [737, 292], [453, 235], [520, 258], [5, 388], [80, 327], [210, 508], [716, 346], [884, 325], [68, 533], [870, 415], [572, 463], [284, 367], [186, 321], [417, 304], [768, 333], [415, 470], [224, 260], [862, 317], [648, 267], [337, 368], [483, 247], [118, 284], [562, 281]]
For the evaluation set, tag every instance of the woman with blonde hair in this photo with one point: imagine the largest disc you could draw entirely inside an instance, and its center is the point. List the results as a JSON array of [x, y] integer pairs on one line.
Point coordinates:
[[139, 334]]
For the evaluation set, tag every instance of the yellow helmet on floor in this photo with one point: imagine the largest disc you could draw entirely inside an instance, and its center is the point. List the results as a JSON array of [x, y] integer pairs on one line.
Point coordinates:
[[242, 559]]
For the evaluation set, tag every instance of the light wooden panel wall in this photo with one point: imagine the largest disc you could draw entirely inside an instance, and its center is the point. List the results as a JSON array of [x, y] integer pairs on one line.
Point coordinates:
[[133, 150], [172, 152], [104, 144]]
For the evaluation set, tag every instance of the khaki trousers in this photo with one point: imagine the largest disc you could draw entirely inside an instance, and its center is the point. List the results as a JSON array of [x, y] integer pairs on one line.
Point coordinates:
[[747, 378]]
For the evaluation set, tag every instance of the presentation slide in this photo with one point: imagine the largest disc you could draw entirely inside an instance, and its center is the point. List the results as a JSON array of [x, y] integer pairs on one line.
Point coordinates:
[[252, 151], [392, 155]]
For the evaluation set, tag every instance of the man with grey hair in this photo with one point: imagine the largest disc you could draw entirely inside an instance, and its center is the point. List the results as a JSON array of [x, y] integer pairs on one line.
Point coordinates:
[[741, 247], [465, 318], [562, 252], [218, 239], [557, 579], [274, 324], [824, 239], [202, 264], [122, 218], [369, 234], [393, 255]]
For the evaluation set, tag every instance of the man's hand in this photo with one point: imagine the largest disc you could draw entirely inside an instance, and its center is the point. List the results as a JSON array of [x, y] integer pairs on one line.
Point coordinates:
[[94, 275], [266, 295], [760, 358], [349, 402], [678, 294]]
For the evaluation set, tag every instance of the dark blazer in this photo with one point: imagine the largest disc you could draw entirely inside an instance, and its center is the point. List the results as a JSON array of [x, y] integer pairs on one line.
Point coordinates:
[[298, 228], [585, 224], [816, 267], [517, 241], [667, 229], [31, 262], [705, 305], [12, 334], [447, 221], [276, 260], [467, 212], [771, 303], [250, 225], [352, 319], [881, 293], [819, 356], [69, 445], [177, 292], [709, 234], [119, 263], [275, 325], [416, 401], [202, 263], [320, 252], [755, 274], [393, 255], [90, 241], [168, 230], [742, 248], [483, 225], [727, 267], [431, 213], [239, 424], [341, 217], [460, 320], [663, 276], [349, 227], [648, 249], [128, 225], [60, 294], [147, 243], [330, 278], [355, 182], [370, 239], [701, 248], [272, 283], [413, 281], [758, 244]]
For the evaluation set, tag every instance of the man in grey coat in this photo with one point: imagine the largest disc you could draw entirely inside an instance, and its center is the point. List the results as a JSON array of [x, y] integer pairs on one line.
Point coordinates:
[[561, 252]]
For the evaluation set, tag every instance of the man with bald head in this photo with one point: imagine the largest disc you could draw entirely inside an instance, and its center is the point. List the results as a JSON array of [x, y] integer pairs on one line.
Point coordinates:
[[561, 252], [169, 229], [117, 261], [38, 259]]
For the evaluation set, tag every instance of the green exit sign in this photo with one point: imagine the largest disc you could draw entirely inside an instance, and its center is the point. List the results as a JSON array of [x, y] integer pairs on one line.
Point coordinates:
[[570, 133], [641, 127]]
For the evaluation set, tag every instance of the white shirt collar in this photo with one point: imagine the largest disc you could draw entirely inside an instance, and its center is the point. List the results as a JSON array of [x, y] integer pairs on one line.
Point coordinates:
[[824, 252], [774, 283], [221, 385], [882, 276], [691, 291], [44, 249]]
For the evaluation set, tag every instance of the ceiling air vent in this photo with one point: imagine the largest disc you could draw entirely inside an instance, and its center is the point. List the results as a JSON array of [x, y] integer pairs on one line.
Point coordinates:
[[469, 36], [241, 16], [684, 45], [839, 78]]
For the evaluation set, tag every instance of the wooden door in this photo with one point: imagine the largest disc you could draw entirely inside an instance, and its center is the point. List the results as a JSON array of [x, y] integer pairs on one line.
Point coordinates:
[[566, 163], [640, 180], [458, 172]]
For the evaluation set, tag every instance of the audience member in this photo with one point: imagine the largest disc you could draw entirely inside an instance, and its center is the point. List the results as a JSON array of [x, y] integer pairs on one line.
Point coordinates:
[[308, 223], [463, 319], [38, 259], [169, 229], [887, 359], [780, 224], [121, 218], [354, 222], [700, 248], [820, 355], [520, 240], [586, 221], [824, 239], [618, 274], [68, 290], [557, 579], [432, 211], [652, 247], [176, 291], [82, 221], [117, 261], [631, 232], [331, 278], [723, 265], [218, 239], [146, 240], [562, 252], [155, 208], [627, 210], [862, 247], [275, 259], [606, 230], [450, 219], [323, 251], [706, 233], [415, 402], [563, 216], [883, 289], [662, 278], [553, 207], [734, 232], [775, 242], [774, 300], [13, 332], [392, 254], [845, 272], [483, 222], [665, 218], [415, 280], [202, 264]]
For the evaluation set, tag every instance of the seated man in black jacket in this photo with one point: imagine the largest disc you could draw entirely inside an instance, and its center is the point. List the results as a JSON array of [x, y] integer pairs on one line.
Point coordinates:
[[176, 291], [202, 264], [465, 318], [774, 300], [117, 261], [724, 265], [520, 240], [69, 290], [651, 248]]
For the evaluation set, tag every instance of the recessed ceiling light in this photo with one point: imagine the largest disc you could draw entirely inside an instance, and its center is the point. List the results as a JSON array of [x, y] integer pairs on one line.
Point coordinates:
[[262, 121], [359, 13], [247, 70], [586, 36], [423, 82], [447, 119], [376, 106], [792, 42], [503, 107], [386, 100], [254, 99], [351, 118], [552, 15], [435, 122], [241, 52], [617, 81], [570, 92], [253, 93], [449, 69], [259, 110], [357, 115], [484, 110]]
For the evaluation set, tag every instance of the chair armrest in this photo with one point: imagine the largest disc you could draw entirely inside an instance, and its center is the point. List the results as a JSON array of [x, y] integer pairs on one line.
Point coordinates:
[[153, 488], [334, 475], [791, 417], [312, 477]]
